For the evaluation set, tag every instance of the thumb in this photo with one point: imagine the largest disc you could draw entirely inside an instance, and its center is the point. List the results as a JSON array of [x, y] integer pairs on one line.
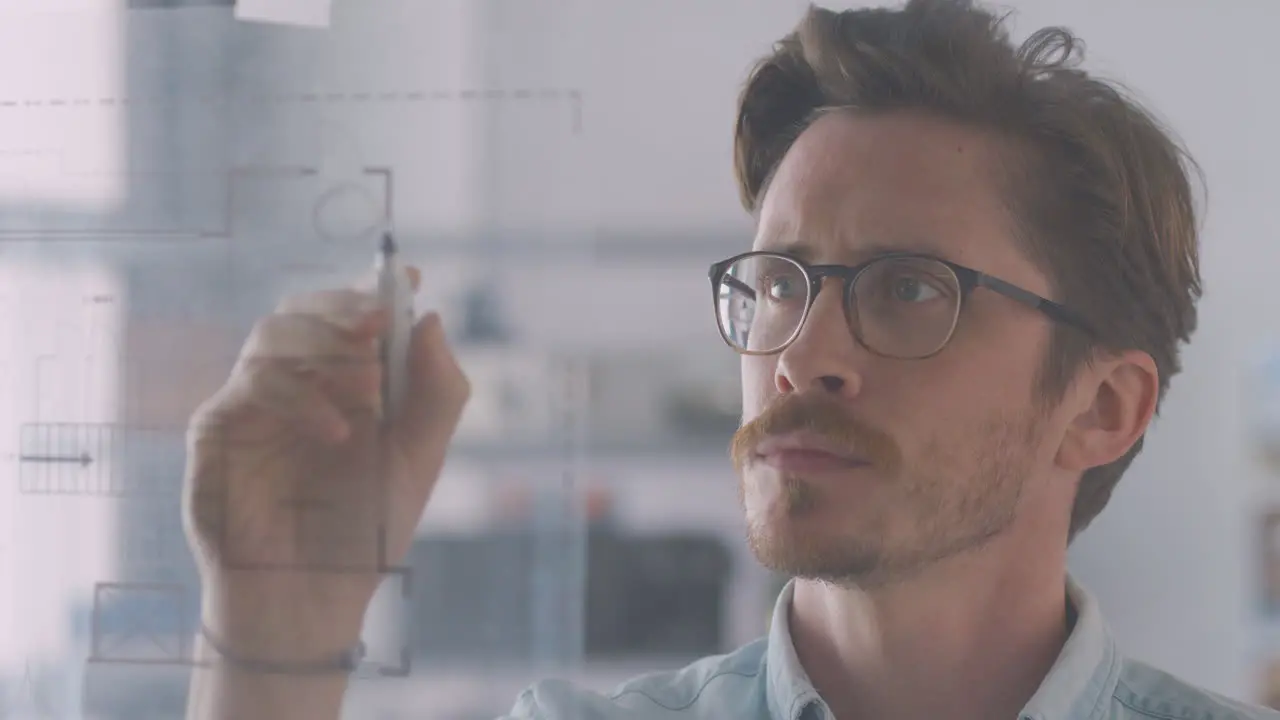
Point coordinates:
[[436, 388]]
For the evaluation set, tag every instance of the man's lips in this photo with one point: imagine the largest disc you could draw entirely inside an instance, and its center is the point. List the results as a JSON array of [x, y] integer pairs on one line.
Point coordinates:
[[798, 453]]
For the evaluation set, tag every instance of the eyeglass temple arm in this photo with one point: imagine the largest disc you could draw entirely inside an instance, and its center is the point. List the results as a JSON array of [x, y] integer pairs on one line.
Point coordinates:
[[1055, 311], [738, 285]]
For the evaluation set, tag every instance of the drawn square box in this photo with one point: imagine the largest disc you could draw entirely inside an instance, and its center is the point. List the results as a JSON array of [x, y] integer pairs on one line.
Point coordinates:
[[386, 632], [303, 13], [1269, 540], [147, 623]]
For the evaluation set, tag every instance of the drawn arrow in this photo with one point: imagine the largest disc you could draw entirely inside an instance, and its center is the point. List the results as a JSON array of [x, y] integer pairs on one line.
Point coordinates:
[[83, 459]]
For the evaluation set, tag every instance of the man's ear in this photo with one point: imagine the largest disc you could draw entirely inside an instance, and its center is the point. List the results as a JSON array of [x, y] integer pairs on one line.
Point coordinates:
[[1116, 400]]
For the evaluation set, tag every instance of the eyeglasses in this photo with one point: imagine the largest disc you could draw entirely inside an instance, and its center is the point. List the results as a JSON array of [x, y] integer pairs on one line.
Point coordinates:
[[898, 305]]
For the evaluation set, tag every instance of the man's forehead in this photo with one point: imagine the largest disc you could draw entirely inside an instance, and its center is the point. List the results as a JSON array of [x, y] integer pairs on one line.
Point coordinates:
[[853, 186], [843, 248]]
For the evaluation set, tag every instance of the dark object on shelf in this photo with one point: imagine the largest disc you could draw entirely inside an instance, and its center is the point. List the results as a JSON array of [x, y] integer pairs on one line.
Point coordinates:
[[695, 414], [655, 596], [646, 596], [482, 317]]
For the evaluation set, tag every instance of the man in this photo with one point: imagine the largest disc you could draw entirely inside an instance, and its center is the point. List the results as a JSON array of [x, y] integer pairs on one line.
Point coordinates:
[[973, 268]]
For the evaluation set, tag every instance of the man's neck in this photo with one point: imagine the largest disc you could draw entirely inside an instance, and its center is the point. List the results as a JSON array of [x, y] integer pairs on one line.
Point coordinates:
[[967, 639]]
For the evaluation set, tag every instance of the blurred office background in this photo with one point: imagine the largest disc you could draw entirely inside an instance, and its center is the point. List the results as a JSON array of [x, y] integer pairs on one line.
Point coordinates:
[[561, 170]]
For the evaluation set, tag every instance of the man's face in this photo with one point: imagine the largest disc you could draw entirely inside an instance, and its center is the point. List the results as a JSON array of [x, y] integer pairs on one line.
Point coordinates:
[[951, 444]]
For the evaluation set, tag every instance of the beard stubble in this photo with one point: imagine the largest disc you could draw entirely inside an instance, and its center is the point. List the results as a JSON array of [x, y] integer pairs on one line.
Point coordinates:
[[954, 495]]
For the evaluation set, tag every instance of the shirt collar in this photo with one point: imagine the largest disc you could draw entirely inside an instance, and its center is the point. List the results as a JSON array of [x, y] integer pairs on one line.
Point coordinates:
[[1085, 674], [1077, 686], [790, 690]]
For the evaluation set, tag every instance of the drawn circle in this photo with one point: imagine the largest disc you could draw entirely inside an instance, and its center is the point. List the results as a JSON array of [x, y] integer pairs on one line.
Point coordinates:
[[346, 212]]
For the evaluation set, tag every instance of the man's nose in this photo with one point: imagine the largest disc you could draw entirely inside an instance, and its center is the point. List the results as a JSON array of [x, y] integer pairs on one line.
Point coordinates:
[[824, 357]]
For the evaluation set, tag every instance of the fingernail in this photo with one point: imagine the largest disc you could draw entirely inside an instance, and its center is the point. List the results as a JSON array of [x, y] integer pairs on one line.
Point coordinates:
[[374, 319]]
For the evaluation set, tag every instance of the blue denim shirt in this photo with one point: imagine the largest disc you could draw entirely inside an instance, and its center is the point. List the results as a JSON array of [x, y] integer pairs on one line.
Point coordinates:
[[1091, 680]]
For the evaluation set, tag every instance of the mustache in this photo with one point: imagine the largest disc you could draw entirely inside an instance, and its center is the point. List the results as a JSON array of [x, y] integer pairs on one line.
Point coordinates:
[[822, 416]]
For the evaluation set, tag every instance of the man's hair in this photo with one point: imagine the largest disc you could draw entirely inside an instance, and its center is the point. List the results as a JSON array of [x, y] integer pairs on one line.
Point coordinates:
[[1100, 193]]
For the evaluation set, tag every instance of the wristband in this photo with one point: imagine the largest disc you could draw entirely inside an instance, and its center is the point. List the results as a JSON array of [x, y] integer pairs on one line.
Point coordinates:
[[345, 662]]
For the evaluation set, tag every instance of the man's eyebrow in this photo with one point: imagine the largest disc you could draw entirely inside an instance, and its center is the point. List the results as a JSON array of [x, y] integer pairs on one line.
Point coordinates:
[[905, 245], [853, 255], [782, 238], [798, 248]]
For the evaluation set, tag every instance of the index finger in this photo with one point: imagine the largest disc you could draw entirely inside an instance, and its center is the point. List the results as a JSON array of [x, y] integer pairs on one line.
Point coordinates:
[[347, 308]]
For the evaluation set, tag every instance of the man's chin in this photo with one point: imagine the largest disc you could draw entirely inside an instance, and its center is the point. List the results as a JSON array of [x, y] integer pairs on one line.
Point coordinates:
[[813, 558]]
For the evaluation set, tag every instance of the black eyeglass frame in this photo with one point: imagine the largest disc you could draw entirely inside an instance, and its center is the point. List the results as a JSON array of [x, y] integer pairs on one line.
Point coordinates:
[[966, 277]]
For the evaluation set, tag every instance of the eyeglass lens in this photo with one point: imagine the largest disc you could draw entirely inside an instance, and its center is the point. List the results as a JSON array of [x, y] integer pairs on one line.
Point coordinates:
[[904, 307]]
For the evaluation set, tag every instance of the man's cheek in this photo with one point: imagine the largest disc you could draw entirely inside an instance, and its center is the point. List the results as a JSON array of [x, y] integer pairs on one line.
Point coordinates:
[[757, 386]]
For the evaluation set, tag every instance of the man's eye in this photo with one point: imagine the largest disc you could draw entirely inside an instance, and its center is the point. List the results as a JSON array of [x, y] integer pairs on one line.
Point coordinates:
[[913, 290], [780, 288]]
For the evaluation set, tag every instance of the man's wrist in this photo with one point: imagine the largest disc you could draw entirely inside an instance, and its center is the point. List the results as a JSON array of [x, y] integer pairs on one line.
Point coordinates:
[[259, 623], [227, 691], [343, 662]]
